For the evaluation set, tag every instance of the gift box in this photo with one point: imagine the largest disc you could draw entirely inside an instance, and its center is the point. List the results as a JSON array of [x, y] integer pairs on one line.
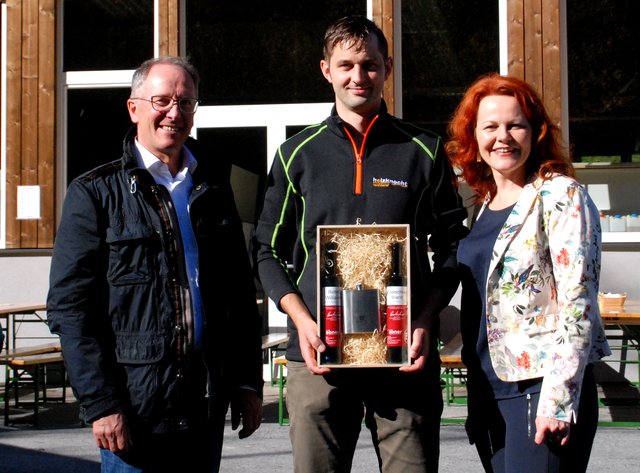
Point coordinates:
[[364, 288]]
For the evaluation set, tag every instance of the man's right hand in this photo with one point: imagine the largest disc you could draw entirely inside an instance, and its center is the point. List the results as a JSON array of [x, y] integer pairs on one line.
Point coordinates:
[[310, 342], [111, 433]]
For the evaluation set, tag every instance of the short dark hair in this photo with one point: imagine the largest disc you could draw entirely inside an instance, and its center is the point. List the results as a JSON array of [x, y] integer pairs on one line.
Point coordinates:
[[141, 73], [354, 27]]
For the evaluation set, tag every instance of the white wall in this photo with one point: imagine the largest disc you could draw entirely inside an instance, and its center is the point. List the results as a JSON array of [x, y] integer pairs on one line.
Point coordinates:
[[24, 278], [621, 273]]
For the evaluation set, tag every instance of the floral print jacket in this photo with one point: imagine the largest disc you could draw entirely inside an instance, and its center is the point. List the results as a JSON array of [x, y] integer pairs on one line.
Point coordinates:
[[542, 293]]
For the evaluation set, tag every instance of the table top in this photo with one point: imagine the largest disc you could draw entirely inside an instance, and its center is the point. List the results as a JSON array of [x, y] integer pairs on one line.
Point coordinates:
[[274, 339], [628, 314], [21, 307]]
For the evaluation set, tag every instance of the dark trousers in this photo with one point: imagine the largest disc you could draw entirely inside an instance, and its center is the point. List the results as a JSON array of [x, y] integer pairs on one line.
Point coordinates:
[[504, 437]]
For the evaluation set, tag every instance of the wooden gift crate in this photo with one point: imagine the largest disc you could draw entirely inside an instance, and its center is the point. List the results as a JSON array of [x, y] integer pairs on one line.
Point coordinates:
[[611, 301], [363, 255]]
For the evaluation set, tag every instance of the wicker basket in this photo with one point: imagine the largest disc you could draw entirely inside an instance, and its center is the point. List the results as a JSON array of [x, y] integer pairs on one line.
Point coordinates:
[[611, 301]]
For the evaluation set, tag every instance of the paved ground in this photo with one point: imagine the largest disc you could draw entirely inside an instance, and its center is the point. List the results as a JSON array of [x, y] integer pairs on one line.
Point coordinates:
[[62, 445]]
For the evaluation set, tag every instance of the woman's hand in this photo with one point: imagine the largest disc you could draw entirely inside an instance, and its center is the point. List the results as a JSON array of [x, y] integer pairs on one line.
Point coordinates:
[[552, 430]]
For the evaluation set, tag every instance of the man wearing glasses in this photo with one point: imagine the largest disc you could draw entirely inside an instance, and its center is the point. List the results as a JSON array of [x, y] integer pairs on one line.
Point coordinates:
[[155, 350]]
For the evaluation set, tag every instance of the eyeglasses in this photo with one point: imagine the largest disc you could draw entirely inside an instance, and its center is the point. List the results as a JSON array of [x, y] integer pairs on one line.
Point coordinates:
[[162, 103]]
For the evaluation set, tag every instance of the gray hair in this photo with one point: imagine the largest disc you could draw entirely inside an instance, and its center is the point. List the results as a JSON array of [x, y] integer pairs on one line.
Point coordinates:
[[141, 73]]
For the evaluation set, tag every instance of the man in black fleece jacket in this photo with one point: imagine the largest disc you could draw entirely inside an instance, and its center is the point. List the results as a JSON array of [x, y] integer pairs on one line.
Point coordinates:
[[361, 165]]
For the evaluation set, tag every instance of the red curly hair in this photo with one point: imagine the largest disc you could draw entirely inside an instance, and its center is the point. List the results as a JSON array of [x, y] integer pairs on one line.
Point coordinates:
[[547, 156]]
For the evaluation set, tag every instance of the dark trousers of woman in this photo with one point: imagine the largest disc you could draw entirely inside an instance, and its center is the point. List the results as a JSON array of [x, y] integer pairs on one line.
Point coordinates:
[[504, 435]]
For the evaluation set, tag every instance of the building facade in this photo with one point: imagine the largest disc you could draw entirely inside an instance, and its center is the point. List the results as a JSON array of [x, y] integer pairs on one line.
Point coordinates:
[[66, 69]]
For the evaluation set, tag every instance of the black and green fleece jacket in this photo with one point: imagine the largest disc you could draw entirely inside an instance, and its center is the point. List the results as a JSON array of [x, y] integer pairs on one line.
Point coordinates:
[[320, 176]]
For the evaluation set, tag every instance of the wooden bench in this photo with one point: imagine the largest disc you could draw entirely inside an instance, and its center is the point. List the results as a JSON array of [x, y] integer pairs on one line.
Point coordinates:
[[453, 369], [27, 366], [271, 344], [281, 362], [53, 347]]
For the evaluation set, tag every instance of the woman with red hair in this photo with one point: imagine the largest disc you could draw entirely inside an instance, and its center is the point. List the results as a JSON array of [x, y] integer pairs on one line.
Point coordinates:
[[530, 271]]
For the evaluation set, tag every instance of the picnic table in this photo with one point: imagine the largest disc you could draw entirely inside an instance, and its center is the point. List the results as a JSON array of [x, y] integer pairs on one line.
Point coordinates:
[[18, 312], [626, 318], [271, 344]]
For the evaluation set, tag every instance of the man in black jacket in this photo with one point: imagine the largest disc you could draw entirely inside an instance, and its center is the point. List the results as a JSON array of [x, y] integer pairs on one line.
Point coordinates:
[[360, 165], [156, 350]]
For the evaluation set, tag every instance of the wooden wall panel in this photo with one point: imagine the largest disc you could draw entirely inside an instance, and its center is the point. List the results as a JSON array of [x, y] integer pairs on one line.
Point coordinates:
[[30, 118]]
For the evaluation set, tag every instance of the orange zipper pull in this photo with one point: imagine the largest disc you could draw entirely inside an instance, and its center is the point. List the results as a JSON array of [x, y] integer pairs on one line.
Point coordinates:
[[358, 185]]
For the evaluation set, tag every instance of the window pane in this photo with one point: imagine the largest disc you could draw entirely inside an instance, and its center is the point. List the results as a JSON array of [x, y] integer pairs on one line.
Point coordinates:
[[244, 148], [446, 45], [107, 34], [262, 52], [604, 80], [98, 121]]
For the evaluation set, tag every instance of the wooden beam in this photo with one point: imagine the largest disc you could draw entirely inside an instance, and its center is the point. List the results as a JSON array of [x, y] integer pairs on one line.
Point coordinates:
[[169, 27], [30, 116], [515, 35], [46, 122], [174, 27], [551, 60], [383, 16], [533, 43], [14, 119], [534, 49]]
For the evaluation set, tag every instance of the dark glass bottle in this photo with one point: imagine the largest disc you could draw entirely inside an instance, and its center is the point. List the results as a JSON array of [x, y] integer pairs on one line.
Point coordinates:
[[331, 317], [396, 310]]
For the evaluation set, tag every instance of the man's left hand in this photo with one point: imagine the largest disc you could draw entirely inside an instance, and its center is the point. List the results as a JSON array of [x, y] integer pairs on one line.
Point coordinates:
[[246, 405]]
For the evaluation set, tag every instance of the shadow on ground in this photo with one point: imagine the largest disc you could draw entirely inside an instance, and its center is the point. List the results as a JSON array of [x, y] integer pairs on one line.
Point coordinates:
[[618, 396], [23, 460]]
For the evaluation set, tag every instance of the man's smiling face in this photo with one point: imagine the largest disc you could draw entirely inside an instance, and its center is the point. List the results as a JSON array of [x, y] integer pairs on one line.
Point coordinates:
[[163, 133]]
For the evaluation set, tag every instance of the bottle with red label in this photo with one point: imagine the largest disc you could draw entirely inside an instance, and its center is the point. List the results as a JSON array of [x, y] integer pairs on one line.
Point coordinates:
[[331, 306], [396, 313]]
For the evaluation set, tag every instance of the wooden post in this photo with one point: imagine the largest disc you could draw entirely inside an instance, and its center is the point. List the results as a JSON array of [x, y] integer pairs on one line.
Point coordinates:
[[383, 15], [534, 49]]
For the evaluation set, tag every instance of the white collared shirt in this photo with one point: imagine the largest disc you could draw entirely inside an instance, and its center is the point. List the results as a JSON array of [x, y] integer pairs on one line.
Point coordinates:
[[179, 187]]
